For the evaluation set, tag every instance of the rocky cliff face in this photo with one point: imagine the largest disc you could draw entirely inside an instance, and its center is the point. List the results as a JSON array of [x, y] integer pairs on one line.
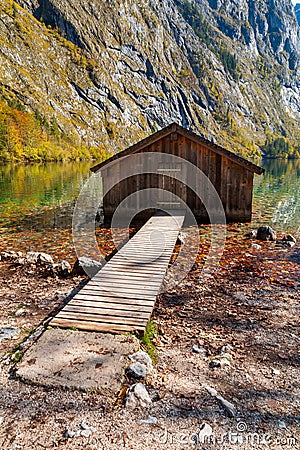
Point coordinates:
[[111, 72], [297, 12]]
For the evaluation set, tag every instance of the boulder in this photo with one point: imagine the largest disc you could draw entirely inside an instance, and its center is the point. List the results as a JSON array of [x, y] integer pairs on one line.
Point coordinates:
[[86, 266], [44, 259], [62, 269], [142, 358], [287, 241], [31, 257], [137, 370], [266, 234], [38, 258], [138, 396]]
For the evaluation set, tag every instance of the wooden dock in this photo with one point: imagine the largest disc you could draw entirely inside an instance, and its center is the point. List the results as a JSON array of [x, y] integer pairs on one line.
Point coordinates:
[[121, 296]]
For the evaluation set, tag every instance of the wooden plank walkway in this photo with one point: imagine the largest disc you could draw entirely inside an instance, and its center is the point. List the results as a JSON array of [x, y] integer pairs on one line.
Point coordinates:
[[121, 296]]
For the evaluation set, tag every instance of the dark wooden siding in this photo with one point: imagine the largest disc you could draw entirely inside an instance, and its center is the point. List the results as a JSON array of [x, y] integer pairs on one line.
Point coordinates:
[[232, 181]]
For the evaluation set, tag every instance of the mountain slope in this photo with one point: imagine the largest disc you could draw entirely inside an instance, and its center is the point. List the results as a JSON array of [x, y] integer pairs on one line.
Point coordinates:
[[112, 72], [297, 12]]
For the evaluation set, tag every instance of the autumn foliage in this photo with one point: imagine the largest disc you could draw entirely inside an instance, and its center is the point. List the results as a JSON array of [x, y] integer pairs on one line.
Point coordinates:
[[26, 136]]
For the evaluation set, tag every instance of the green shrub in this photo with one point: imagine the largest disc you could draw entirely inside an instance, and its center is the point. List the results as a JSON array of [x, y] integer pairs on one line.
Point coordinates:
[[150, 333]]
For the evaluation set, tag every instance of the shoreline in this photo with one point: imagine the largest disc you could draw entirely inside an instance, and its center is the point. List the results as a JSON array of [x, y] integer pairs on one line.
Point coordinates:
[[250, 305]]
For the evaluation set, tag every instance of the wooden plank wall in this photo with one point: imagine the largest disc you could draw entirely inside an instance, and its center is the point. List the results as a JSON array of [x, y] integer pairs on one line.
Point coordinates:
[[232, 181]]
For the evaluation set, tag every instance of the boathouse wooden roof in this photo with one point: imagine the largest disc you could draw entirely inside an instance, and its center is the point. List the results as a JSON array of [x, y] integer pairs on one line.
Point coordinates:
[[175, 128]]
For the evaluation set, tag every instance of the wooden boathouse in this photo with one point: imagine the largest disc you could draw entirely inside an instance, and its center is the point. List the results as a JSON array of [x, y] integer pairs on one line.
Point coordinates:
[[230, 174]]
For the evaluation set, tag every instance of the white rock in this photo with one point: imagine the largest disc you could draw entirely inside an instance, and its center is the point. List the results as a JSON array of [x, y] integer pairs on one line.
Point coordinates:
[[138, 370], [44, 259], [182, 237], [143, 358], [32, 257], [85, 433], [290, 244], [205, 431], [197, 349], [151, 420], [72, 434], [229, 408], [212, 391], [85, 426], [256, 246], [226, 349], [20, 312], [275, 371], [282, 425], [138, 396], [8, 333], [224, 359], [290, 238]]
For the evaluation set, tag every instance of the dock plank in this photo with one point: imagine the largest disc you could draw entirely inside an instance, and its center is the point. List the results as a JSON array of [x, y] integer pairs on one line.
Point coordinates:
[[121, 296]]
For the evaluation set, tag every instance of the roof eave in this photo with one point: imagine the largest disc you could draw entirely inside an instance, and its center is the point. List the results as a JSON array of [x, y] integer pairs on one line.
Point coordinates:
[[174, 127], [137, 146]]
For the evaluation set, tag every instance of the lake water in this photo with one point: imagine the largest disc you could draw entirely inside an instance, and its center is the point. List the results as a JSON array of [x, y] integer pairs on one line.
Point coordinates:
[[37, 200]]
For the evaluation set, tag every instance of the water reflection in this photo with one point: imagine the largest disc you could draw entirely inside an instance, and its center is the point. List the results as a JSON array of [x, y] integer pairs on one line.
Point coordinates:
[[276, 197], [39, 196], [37, 200]]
